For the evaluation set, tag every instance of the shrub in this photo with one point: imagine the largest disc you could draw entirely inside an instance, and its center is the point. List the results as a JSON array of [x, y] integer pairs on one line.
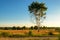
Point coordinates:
[[4, 34], [50, 33], [30, 33]]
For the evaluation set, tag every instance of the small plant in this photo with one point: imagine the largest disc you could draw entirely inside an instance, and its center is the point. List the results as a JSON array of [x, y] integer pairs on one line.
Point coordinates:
[[30, 33]]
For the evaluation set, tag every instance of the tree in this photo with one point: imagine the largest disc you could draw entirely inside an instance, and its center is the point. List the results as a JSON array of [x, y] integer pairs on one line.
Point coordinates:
[[38, 11], [32, 27], [5, 28], [35, 27], [13, 28], [24, 27], [18, 28]]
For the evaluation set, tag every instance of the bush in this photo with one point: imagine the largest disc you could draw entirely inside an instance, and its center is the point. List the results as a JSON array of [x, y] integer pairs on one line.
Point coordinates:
[[30, 33], [14, 35], [4, 34], [50, 33]]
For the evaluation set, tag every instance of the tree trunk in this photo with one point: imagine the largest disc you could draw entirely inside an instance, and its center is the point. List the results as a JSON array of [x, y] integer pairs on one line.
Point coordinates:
[[38, 22]]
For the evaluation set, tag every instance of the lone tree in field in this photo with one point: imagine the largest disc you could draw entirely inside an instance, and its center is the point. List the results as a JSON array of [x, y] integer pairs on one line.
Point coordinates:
[[39, 12]]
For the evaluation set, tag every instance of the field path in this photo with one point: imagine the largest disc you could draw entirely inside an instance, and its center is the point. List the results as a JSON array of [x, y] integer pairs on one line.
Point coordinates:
[[30, 38]]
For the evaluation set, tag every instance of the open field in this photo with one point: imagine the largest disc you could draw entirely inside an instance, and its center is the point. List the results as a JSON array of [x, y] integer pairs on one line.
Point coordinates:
[[26, 31], [34, 32]]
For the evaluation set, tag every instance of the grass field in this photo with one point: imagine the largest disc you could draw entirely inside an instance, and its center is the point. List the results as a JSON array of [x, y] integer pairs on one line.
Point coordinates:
[[35, 32], [26, 31]]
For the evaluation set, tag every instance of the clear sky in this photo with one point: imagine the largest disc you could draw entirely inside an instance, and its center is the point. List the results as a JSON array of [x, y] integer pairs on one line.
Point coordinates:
[[15, 13]]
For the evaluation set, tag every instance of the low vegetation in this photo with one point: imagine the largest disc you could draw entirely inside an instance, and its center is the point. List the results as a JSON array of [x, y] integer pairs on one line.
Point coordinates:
[[29, 32]]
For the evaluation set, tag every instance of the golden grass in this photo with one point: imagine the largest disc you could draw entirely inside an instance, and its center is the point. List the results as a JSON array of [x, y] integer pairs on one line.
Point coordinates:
[[26, 31]]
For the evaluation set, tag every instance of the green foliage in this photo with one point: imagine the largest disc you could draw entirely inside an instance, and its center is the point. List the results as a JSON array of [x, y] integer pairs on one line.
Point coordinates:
[[35, 6], [24, 27], [18, 28], [59, 37], [31, 27], [50, 33], [16, 35], [35, 27], [57, 29], [6, 28], [13, 28], [30, 33], [4, 34]]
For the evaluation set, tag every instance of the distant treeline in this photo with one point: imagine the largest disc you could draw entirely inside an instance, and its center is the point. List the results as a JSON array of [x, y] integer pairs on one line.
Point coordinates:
[[24, 28]]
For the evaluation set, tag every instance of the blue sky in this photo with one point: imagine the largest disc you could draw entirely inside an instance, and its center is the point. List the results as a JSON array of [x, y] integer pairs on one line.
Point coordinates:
[[15, 12]]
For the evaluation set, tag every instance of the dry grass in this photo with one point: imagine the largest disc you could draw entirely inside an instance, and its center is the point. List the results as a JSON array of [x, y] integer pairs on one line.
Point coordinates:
[[26, 31], [30, 38]]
